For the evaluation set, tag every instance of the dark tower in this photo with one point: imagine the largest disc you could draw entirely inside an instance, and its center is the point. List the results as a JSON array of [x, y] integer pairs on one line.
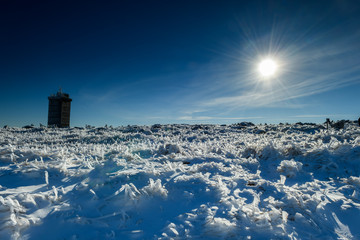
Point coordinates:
[[59, 109]]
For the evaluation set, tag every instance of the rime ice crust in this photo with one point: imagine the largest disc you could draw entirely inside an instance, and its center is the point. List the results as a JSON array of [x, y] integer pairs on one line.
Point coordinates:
[[180, 181]]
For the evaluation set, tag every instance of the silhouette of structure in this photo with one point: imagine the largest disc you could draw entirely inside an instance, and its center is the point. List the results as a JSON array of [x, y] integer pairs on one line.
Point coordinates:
[[59, 109], [328, 123]]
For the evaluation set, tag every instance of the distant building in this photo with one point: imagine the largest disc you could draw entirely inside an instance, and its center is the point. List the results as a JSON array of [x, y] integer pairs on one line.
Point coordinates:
[[59, 109]]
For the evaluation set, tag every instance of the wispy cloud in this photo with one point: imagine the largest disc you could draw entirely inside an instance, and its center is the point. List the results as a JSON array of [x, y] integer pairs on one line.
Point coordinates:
[[202, 118], [291, 90], [305, 70], [322, 116]]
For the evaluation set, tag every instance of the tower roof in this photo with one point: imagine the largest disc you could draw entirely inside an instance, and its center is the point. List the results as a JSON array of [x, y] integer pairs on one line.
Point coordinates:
[[60, 95]]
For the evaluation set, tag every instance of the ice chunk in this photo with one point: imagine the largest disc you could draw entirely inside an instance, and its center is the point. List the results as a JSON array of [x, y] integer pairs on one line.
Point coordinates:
[[289, 167], [46, 177], [155, 188]]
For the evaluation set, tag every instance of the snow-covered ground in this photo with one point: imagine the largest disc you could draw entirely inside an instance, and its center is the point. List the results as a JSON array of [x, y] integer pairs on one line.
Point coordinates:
[[239, 181]]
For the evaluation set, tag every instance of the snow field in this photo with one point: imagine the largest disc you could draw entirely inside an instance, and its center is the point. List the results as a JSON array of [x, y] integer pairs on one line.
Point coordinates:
[[241, 181]]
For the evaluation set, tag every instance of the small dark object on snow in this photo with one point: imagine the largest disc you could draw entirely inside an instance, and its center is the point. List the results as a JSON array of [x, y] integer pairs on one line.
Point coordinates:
[[339, 124], [196, 127], [260, 131], [156, 126], [186, 162], [251, 183], [359, 121], [246, 124], [328, 123]]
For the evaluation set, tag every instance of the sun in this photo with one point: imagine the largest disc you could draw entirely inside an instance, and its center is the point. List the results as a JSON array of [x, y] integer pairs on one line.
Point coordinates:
[[267, 67]]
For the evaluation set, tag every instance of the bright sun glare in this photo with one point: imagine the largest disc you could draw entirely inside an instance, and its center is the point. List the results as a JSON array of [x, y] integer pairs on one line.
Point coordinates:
[[267, 67]]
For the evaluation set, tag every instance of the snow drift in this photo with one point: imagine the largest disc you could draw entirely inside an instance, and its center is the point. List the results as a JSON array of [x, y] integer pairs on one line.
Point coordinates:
[[240, 181]]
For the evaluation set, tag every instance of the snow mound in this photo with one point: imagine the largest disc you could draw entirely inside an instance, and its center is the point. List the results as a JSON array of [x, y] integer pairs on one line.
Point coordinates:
[[289, 167], [354, 181], [169, 149], [155, 188]]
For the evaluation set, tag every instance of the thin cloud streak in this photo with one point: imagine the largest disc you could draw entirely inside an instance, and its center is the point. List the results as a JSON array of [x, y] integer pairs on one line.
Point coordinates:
[[307, 70], [201, 118], [323, 116]]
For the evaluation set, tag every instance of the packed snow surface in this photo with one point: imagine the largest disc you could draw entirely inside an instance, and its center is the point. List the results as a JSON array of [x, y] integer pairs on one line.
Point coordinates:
[[238, 181]]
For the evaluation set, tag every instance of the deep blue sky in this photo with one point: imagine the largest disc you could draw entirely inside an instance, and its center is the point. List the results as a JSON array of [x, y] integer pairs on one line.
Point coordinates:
[[146, 62]]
